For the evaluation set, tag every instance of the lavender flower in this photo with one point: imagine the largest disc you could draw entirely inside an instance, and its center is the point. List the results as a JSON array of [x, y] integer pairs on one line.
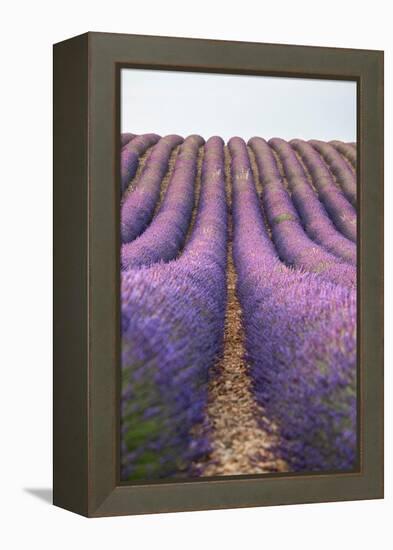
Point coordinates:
[[138, 206], [341, 212], [344, 175], [164, 237], [130, 154], [126, 138], [300, 339], [347, 150], [300, 325], [172, 332], [312, 213], [292, 243]]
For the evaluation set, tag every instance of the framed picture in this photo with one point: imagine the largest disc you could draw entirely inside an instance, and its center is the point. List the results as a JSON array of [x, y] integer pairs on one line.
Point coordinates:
[[218, 274]]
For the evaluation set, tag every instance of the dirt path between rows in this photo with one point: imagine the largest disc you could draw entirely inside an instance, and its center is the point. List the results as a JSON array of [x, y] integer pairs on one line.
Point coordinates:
[[239, 445]]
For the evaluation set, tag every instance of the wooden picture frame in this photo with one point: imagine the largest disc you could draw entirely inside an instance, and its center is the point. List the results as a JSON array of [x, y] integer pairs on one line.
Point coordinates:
[[86, 272]]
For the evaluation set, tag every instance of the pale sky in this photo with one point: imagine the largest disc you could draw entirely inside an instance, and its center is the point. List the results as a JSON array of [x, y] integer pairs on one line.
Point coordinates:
[[174, 102]]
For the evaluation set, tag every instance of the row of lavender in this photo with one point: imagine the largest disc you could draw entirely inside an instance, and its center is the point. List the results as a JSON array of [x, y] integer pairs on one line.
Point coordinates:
[[300, 326], [172, 325], [173, 312], [322, 186]]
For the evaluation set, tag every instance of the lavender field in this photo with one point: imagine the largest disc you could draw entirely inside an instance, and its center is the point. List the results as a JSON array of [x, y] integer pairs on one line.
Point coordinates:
[[238, 306]]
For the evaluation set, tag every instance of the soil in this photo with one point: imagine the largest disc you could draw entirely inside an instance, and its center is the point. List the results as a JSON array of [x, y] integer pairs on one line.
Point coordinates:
[[239, 445]]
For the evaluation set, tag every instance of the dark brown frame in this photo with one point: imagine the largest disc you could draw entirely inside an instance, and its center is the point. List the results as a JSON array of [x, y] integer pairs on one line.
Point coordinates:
[[86, 272]]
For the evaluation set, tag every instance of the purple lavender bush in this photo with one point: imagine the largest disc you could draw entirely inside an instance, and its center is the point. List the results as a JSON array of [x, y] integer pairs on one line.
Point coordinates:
[[345, 176], [138, 206], [126, 138], [172, 333], [300, 339], [166, 234], [341, 212], [129, 157], [347, 150], [292, 243], [313, 215]]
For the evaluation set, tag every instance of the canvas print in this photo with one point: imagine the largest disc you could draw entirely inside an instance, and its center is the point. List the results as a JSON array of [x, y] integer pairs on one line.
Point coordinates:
[[238, 276]]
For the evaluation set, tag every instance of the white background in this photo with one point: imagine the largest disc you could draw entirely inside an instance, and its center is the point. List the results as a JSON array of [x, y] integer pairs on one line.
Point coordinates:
[[27, 31]]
